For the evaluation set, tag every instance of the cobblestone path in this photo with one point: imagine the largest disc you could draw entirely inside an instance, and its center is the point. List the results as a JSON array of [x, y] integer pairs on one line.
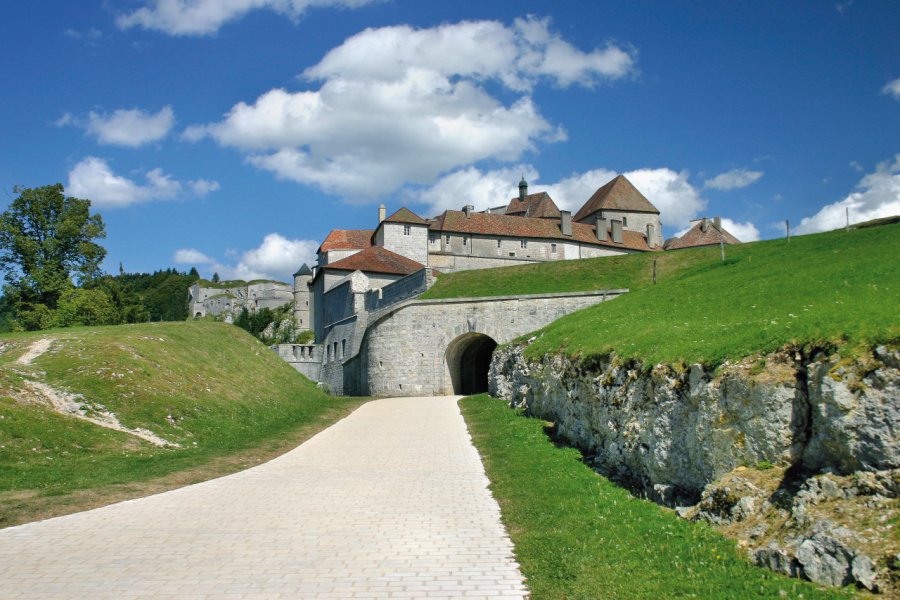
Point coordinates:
[[391, 502]]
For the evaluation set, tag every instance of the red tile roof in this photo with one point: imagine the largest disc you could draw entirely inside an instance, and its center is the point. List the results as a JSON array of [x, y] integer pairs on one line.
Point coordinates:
[[376, 260], [695, 236], [404, 215], [618, 194], [455, 221], [347, 239], [539, 205]]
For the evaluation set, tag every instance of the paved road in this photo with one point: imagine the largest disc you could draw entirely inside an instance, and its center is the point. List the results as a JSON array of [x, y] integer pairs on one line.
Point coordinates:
[[390, 502]]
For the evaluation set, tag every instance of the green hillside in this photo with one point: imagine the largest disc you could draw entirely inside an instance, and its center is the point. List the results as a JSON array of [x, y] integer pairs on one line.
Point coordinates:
[[831, 288], [222, 397]]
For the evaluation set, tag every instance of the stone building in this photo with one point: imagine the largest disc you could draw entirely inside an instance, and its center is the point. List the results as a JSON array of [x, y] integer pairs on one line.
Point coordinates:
[[231, 296], [364, 277], [703, 232]]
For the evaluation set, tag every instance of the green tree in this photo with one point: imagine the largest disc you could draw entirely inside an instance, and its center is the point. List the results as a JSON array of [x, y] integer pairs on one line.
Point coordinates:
[[46, 240], [79, 306], [215, 278]]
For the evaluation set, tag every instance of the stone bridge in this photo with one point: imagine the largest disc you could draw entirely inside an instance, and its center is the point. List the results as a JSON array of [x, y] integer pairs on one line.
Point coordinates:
[[393, 344], [438, 347]]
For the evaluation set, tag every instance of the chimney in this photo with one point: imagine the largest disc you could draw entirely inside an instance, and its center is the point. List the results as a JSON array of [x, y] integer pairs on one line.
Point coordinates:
[[651, 236], [468, 209], [601, 229], [617, 231], [381, 213], [717, 221], [565, 222], [704, 224]]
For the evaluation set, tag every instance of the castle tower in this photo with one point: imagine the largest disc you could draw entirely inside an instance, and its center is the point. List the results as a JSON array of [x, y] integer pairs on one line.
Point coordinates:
[[523, 189], [302, 297]]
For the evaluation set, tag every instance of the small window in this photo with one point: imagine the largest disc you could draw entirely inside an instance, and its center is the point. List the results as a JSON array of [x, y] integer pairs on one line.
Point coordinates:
[[334, 350], [406, 229], [465, 240], [498, 243], [624, 221], [447, 240], [432, 239], [553, 248], [512, 253], [343, 348], [523, 243]]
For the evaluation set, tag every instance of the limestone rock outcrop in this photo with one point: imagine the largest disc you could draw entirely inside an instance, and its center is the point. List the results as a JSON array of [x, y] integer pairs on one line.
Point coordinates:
[[674, 432]]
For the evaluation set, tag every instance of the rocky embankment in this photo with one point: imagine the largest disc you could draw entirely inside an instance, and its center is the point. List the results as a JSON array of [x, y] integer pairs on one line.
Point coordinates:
[[795, 454]]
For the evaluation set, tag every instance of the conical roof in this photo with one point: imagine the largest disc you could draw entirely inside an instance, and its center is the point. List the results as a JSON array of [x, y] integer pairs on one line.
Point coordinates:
[[304, 270], [618, 194]]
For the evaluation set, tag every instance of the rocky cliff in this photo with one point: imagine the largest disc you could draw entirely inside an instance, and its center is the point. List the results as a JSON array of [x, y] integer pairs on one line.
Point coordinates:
[[679, 434]]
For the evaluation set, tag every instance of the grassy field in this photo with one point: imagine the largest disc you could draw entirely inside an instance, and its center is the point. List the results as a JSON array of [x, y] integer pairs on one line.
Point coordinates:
[[579, 536], [825, 289], [226, 399]]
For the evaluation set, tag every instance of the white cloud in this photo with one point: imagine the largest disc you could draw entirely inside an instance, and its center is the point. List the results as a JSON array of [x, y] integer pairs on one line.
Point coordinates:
[[877, 195], [746, 232], [277, 257], [733, 179], [892, 89], [670, 191], [471, 186], [94, 179], [204, 17], [401, 105], [190, 256], [132, 128]]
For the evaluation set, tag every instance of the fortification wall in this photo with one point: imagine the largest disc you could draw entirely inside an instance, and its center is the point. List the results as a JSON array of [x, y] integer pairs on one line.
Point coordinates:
[[404, 352]]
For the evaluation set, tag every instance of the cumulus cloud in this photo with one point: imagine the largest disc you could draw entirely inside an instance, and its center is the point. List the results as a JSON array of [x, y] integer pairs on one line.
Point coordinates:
[[277, 257], [190, 256], [94, 179], [132, 128], [746, 232], [877, 195], [204, 17], [670, 191], [892, 89], [401, 105], [733, 179]]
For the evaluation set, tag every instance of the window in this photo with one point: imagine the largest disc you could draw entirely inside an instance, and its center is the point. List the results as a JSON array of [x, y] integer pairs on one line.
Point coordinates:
[[498, 243], [432, 239], [624, 221], [447, 240], [406, 229], [553, 248], [334, 350], [343, 348], [465, 240], [523, 243]]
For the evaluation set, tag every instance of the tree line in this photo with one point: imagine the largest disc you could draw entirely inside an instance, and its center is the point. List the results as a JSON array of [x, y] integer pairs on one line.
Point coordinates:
[[51, 260]]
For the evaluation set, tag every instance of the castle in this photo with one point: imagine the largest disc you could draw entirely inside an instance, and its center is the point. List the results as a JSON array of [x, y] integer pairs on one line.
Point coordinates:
[[616, 219]]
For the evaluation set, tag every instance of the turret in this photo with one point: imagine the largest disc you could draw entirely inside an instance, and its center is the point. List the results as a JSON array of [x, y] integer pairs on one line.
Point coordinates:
[[302, 297], [523, 189]]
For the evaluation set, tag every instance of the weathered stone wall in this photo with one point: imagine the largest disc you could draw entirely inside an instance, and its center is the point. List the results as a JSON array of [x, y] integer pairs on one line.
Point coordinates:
[[405, 350], [671, 433], [306, 358], [413, 245], [402, 289], [483, 253]]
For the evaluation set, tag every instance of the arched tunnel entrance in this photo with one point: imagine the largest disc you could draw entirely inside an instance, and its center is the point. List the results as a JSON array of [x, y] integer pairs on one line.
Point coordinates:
[[469, 358]]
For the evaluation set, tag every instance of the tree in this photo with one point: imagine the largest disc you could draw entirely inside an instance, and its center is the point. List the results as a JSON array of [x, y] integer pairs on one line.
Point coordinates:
[[215, 278], [46, 240]]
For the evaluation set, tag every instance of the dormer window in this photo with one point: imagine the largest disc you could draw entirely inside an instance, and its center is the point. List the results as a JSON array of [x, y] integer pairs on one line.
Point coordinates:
[[407, 230]]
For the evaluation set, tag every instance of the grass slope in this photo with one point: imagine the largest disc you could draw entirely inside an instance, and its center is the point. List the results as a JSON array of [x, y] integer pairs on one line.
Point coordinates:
[[579, 536], [830, 288], [225, 398]]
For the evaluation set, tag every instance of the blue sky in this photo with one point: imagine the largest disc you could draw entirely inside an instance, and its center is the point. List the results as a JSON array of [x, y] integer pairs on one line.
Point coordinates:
[[232, 136]]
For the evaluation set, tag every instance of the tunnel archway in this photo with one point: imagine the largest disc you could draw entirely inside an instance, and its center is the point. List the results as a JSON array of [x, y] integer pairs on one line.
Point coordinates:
[[469, 358]]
